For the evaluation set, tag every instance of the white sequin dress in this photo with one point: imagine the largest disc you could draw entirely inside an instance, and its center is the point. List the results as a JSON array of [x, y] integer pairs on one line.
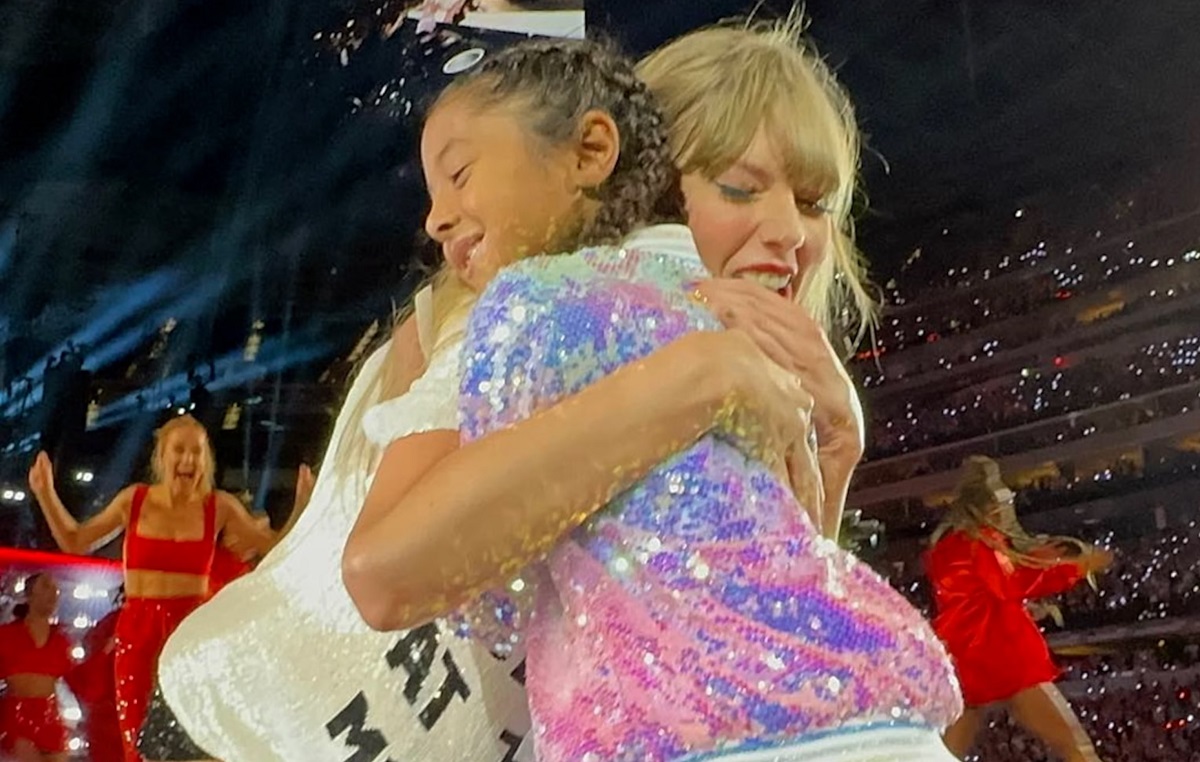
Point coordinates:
[[280, 666]]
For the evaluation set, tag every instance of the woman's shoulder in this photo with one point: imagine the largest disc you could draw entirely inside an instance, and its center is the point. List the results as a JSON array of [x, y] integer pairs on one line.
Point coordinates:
[[429, 404], [130, 491], [224, 502]]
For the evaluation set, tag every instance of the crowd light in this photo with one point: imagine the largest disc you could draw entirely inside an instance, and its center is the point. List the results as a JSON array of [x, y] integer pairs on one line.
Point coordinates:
[[1032, 395], [1072, 279], [233, 414], [85, 476]]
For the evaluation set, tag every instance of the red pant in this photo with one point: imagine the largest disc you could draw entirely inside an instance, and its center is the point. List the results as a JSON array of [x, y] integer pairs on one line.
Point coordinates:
[[103, 732], [142, 631], [32, 719]]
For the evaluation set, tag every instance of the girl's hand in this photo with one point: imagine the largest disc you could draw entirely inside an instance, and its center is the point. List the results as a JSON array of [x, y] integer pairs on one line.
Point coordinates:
[[790, 337]]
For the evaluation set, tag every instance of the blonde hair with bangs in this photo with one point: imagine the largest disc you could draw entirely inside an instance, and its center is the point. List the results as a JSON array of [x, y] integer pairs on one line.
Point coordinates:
[[719, 86]]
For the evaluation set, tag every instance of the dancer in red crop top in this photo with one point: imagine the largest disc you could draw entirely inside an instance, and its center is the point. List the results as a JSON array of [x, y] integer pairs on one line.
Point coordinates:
[[984, 568], [34, 656], [170, 529]]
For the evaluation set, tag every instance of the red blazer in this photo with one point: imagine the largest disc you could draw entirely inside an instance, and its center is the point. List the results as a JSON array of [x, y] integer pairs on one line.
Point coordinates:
[[980, 594]]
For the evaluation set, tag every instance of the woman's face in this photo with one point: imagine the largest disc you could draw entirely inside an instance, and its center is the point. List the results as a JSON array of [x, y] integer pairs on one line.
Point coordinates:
[[184, 458], [751, 222], [43, 596]]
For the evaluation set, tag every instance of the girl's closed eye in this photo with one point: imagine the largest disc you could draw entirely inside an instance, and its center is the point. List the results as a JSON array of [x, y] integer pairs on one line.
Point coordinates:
[[459, 177]]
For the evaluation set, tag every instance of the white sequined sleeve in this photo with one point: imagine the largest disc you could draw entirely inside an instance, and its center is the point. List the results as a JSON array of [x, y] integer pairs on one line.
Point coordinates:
[[430, 404]]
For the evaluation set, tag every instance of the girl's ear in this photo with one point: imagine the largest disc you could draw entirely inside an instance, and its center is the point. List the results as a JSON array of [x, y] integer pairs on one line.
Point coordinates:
[[597, 149]]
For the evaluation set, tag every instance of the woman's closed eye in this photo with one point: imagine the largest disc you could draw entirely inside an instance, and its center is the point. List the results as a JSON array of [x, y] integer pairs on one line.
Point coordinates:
[[736, 194], [814, 206]]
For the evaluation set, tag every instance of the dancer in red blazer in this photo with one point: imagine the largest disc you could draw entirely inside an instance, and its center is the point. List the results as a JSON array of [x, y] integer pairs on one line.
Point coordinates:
[[985, 568]]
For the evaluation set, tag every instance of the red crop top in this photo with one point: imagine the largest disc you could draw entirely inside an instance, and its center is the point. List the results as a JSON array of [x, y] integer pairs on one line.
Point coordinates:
[[20, 655], [164, 555]]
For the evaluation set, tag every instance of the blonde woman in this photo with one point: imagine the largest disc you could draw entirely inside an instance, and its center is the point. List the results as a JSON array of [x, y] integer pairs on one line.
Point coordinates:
[[680, 605], [171, 527], [351, 698], [985, 568]]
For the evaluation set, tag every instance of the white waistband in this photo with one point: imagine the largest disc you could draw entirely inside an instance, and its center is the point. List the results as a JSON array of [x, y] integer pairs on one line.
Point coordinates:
[[866, 744]]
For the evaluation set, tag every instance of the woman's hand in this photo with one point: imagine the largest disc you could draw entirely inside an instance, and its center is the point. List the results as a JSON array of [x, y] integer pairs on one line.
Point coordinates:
[[41, 475], [71, 535], [790, 337], [772, 410], [1095, 560]]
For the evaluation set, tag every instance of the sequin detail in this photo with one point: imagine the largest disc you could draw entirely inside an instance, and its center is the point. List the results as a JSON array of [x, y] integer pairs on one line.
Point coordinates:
[[426, 406], [338, 690], [700, 609]]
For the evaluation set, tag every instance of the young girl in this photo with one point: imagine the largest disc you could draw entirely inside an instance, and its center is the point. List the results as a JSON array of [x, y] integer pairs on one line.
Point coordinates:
[[699, 614], [984, 568], [418, 695], [323, 658]]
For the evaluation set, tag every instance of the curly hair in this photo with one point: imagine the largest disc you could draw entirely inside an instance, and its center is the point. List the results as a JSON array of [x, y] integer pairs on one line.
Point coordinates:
[[551, 84]]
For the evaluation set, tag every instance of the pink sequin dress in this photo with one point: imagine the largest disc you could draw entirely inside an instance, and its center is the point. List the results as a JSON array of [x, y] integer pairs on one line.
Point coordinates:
[[699, 613]]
